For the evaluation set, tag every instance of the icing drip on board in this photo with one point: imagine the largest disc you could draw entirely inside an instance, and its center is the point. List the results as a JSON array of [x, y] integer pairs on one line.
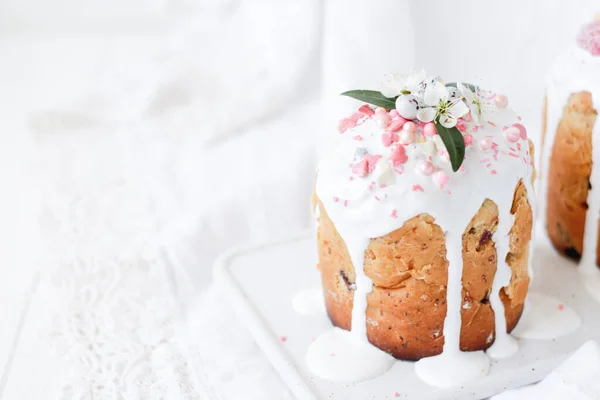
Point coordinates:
[[575, 71], [370, 185]]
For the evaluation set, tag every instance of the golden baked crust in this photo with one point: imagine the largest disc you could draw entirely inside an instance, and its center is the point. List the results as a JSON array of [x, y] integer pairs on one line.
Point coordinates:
[[408, 267], [568, 176]]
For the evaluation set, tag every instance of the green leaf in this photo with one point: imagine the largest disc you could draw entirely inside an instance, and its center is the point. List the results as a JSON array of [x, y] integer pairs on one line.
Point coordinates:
[[472, 88], [455, 144], [372, 97]]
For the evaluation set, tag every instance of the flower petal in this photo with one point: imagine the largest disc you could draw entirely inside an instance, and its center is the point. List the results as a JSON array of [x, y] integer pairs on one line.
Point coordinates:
[[426, 114], [466, 92], [435, 94], [458, 109], [448, 121], [392, 85]]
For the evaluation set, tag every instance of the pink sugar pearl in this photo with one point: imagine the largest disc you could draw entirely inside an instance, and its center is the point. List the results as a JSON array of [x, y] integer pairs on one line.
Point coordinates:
[[429, 130], [426, 168], [441, 178], [486, 143], [394, 113], [409, 126], [522, 130], [468, 138], [501, 101], [589, 38], [406, 136], [382, 119], [512, 134]]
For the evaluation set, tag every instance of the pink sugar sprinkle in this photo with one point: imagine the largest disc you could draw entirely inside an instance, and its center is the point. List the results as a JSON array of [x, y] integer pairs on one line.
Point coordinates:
[[462, 168], [377, 198], [383, 186], [396, 394], [283, 338], [417, 188], [361, 168], [395, 125], [366, 110], [519, 146], [496, 156], [370, 187], [504, 127], [485, 160], [513, 155], [346, 124], [494, 145], [468, 139], [350, 178], [561, 307], [398, 156], [388, 138], [394, 214], [460, 125], [332, 355], [357, 137], [475, 129], [399, 171], [491, 123], [519, 118], [355, 117], [336, 199], [488, 165], [493, 172], [345, 203]]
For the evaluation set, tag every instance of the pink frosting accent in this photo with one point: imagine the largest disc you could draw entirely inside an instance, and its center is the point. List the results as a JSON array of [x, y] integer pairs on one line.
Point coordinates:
[[398, 156], [441, 178], [468, 139], [346, 124], [366, 110], [394, 214], [417, 188], [429, 130], [522, 131], [283, 338], [589, 38], [396, 124]]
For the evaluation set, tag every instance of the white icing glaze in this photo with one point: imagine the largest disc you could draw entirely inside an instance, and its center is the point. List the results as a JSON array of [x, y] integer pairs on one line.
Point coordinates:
[[448, 370], [309, 302], [546, 318], [504, 345], [340, 356], [574, 71], [361, 209]]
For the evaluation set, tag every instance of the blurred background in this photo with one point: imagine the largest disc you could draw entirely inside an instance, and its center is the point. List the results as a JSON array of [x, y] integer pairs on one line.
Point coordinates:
[[163, 132]]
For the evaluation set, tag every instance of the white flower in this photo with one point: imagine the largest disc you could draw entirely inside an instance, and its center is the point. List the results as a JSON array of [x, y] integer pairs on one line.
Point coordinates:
[[438, 107], [479, 103], [397, 84]]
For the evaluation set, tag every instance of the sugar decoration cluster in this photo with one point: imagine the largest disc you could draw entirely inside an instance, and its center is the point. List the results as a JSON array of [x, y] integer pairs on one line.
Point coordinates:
[[410, 126]]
